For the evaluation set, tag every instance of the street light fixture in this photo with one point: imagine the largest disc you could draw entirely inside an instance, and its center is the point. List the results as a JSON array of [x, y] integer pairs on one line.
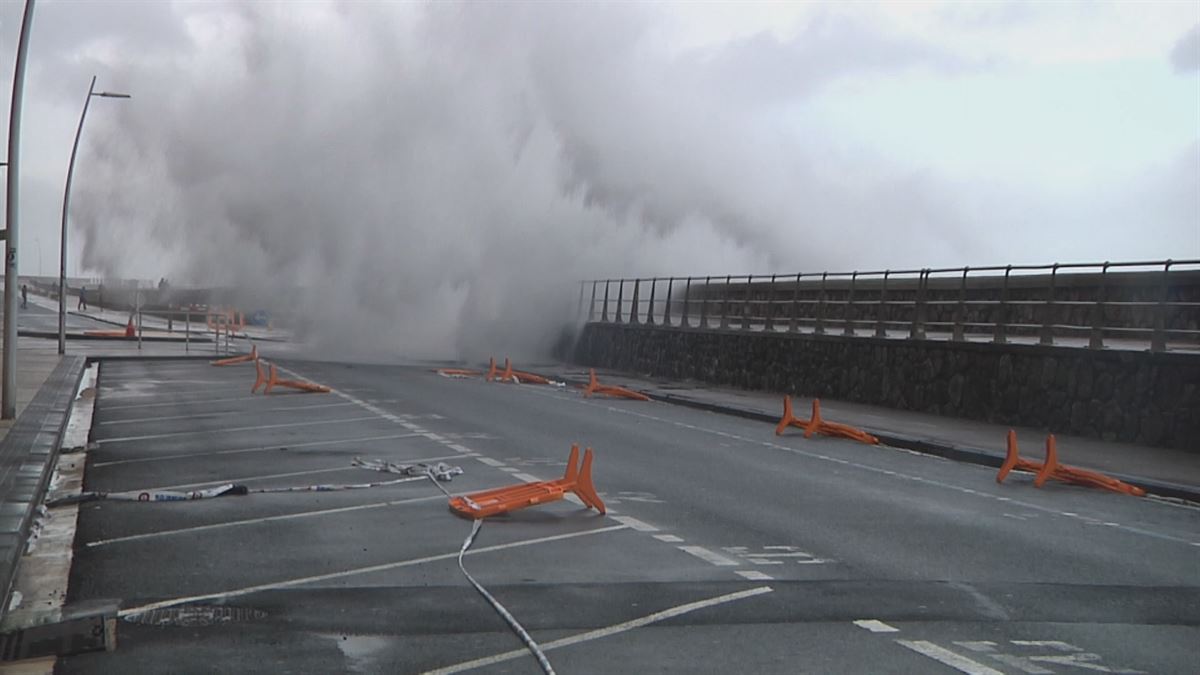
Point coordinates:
[[62, 262]]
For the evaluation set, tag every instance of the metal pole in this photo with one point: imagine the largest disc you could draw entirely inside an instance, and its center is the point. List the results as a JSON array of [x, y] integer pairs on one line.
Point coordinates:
[[187, 331], [138, 301], [8, 395], [62, 242]]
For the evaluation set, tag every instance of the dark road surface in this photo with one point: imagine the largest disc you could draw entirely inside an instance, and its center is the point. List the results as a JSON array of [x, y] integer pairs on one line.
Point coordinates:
[[43, 320], [725, 549]]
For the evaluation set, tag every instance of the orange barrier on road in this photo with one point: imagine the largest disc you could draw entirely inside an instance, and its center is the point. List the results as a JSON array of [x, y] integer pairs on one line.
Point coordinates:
[[594, 387], [816, 425], [502, 500], [1060, 472], [252, 356], [512, 376], [271, 380]]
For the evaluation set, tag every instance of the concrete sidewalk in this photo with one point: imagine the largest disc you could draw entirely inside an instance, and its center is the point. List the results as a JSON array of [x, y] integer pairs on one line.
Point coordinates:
[[1161, 471]]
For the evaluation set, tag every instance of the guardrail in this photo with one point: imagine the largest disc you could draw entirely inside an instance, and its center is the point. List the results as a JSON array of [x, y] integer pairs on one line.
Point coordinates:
[[1130, 305]]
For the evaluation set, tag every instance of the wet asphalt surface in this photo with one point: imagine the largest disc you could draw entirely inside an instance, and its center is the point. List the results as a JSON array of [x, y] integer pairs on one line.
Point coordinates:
[[725, 549]]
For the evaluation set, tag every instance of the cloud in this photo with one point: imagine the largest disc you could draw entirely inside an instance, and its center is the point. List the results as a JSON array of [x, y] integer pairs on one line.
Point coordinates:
[[1185, 55]]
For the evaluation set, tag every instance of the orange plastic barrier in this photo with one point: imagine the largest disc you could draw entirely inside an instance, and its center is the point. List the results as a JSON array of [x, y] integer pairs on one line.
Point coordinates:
[[1060, 472], [594, 387], [271, 380], [816, 425], [512, 376], [505, 499], [252, 356]]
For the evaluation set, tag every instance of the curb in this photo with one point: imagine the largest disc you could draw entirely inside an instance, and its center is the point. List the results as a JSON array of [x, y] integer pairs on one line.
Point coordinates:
[[925, 446]]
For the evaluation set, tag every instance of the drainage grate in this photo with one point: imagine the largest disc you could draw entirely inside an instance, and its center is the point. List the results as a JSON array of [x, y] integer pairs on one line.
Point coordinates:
[[196, 615]]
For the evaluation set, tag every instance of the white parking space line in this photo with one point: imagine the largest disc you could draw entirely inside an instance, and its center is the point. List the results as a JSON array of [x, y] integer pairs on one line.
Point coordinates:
[[708, 556], [876, 626], [226, 412], [240, 479], [289, 583], [488, 460], [946, 657], [259, 448], [231, 430], [635, 524], [509, 469], [184, 402], [753, 575], [599, 633], [266, 519], [528, 478], [669, 538]]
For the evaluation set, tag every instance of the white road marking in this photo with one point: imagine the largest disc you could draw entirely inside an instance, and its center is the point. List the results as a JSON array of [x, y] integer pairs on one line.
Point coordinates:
[[260, 448], [669, 538], [946, 657], [753, 575], [527, 478], [636, 524], [187, 402], [876, 626], [603, 632], [239, 479], [300, 581], [509, 469], [489, 461], [224, 413], [253, 521], [460, 448], [709, 556], [845, 462], [174, 434]]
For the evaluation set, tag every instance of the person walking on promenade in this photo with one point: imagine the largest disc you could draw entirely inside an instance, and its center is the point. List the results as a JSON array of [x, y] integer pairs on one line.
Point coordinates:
[[82, 298], [24, 296]]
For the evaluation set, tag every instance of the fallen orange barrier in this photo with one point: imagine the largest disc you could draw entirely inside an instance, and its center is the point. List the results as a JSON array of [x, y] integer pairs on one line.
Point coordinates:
[[242, 358], [513, 376], [594, 387], [1061, 472], [502, 500], [816, 425], [271, 380]]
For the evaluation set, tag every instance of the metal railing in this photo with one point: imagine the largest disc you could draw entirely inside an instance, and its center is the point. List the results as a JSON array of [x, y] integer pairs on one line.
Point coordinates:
[[1130, 305]]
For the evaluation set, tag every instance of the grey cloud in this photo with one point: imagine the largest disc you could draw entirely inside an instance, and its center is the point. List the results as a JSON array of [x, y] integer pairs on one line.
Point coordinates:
[[1185, 56]]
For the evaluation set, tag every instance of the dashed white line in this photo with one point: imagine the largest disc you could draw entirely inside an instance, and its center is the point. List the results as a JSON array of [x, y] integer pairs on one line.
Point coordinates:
[[636, 524], [300, 581], [709, 556], [669, 538], [460, 448], [527, 477], [753, 575], [509, 469], [946, 657], [489, 461], [876, 626]]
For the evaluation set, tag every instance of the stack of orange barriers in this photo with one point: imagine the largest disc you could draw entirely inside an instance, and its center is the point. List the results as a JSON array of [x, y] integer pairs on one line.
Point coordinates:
[[819, 426], [1060, 472]]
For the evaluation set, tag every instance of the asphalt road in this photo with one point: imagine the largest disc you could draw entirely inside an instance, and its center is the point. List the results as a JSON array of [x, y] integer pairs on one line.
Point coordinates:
[[41, 319], [725, 548]]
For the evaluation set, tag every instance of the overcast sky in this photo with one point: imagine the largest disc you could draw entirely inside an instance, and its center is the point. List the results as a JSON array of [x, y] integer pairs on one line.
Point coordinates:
[[468, 152]]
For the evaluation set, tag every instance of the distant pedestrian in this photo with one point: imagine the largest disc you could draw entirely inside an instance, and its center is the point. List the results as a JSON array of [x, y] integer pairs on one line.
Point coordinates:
[[82, 298], [24, 296]]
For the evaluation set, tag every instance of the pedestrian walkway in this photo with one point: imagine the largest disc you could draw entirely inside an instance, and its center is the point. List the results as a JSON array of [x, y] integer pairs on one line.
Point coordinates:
[[1165, 471]]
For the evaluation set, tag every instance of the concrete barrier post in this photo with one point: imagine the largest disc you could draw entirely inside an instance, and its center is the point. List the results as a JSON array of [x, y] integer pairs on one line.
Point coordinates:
[[848, 328], [819, 328], [769, 312], [1097, 338], [746, 302], [620, 298], [634, 304], [687, 290], [604, 309], [917, 332], [959, 333], [704, 304], [1000, 336], [667, 302], [650, 309], [1047, 336], [792, 318], [881, 320], [1158, 341], [725, 304]]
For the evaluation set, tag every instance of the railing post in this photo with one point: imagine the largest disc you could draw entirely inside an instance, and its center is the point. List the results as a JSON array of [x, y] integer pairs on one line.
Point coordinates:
[[819, 328], [848, 328], [620, 298], [704, 304], [604, 309], [792, 319], [633, 304], [880, 323], [1047, 337], [650, 309], [667, 302], [579, 305], [1097, 338], [960, 311], [769, 313], [1158, 342], [687, 292], [592, 304], [746, 303], [187, 331], [725, 304], [917, 332], [1001, 336]]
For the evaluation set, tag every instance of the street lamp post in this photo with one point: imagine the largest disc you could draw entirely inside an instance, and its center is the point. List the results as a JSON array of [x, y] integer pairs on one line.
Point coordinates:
[[62, 261]]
